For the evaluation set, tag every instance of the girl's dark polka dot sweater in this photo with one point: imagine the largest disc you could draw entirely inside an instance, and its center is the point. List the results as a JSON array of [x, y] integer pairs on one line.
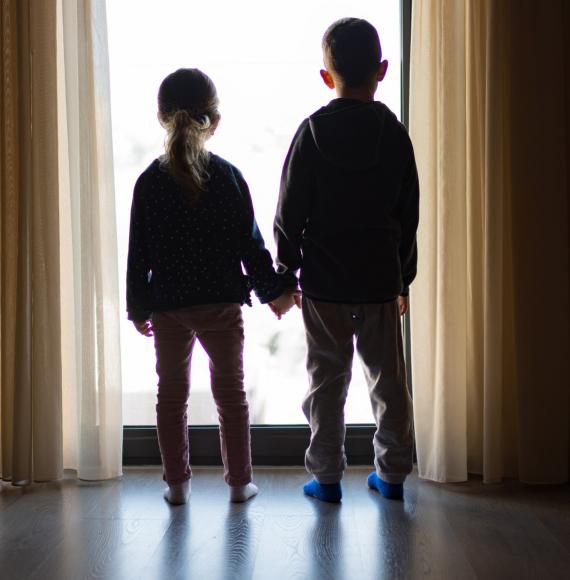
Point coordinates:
[[183, 253]]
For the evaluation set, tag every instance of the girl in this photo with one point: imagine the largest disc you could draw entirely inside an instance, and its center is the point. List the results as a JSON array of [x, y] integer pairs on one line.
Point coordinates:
[[192, 227]]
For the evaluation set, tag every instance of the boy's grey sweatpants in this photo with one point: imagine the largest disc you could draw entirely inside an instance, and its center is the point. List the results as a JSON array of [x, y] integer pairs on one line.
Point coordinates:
[[331, 329]]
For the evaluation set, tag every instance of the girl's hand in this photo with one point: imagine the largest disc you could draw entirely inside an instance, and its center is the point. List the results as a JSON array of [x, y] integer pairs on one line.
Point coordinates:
[[285, 302], [403, 304], [144, 327]]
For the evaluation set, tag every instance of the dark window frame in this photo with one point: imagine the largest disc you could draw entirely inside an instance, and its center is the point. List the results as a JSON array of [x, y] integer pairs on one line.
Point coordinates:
[[278, 444], [270, 445]]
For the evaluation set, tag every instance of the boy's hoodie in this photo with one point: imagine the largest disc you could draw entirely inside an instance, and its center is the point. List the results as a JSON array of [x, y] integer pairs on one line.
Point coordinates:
[[348, 205]]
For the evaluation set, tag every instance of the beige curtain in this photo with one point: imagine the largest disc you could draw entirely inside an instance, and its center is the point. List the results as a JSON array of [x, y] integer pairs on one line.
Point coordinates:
[[60, 368], [490, 326], [31, 396]]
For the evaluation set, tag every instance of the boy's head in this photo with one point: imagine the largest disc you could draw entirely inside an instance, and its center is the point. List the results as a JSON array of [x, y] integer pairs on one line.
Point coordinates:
[[352, 54]]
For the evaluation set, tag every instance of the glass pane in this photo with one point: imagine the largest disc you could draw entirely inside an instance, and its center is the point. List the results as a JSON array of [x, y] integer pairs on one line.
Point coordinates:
[[264, 58]]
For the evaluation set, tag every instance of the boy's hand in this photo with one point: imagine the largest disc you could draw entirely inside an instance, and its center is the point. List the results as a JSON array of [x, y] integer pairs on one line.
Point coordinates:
[[403, 304], [144, 327], [285, 302], [297, 298]]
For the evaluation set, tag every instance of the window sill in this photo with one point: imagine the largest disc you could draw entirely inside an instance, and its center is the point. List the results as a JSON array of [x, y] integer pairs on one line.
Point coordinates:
[[270, 445]]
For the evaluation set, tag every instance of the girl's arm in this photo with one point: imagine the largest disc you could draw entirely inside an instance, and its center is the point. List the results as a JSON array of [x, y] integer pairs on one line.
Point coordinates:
[[266, 283], [138, 263]]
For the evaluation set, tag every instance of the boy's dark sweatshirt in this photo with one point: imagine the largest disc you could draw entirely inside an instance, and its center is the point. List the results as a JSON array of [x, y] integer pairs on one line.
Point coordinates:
[[183, 254], [348, 205]]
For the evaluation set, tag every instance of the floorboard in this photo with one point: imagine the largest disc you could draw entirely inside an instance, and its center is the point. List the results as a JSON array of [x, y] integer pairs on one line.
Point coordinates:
[[124, 530]]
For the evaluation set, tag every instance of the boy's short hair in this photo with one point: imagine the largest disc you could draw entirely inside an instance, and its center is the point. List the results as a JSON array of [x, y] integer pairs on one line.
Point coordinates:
[[352, 47]]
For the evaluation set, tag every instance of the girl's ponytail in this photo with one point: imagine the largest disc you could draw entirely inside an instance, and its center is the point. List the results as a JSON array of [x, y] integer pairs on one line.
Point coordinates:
[[188, 110]]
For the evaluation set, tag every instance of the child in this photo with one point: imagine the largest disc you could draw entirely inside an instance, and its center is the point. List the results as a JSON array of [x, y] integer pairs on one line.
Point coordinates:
[[347, 218], [192, 227]]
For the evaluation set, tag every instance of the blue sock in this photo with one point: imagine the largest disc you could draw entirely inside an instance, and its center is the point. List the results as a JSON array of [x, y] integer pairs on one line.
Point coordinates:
[[387, 490], [331, 492]]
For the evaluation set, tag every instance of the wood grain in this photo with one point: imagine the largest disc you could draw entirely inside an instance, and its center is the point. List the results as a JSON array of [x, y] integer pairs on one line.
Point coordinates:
[[123, 529]]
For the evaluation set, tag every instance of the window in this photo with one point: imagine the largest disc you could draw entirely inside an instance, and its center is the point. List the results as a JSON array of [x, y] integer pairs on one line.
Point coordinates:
[[264, 58]]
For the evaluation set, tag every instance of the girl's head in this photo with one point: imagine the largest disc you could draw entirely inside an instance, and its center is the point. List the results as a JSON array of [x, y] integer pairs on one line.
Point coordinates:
[[188, 110]]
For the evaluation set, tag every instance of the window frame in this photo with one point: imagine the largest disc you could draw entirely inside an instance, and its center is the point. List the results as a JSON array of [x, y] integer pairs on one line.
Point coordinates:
[[279, 444]]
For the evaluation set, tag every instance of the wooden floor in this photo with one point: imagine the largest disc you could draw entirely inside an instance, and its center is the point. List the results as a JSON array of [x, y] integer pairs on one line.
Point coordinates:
[[123, 529]]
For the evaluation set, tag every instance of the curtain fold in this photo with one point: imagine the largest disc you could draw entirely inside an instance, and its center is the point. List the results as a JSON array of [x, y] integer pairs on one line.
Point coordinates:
[[540, 236], [60, 383], [490, 342], [30, 300], [92, 409]]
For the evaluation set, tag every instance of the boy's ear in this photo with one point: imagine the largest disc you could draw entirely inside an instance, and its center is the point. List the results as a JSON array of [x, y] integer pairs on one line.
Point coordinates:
[[382, 70], [327, 78]]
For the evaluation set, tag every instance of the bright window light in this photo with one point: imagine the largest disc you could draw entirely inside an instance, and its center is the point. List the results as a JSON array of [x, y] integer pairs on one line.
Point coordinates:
[[264, 58]]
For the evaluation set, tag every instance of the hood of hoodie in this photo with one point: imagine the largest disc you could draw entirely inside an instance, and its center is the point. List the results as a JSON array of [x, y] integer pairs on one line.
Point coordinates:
[[348, 133]]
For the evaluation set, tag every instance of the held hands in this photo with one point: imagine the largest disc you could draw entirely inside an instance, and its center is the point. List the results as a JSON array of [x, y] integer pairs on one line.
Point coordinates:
[[285, 302], [279, 307], [144, 327]]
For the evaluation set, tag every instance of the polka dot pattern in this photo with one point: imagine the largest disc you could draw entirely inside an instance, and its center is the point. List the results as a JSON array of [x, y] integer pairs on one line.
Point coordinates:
[[183, 253]]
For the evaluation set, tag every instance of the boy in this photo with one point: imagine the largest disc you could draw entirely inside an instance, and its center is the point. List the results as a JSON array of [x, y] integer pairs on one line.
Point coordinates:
[[347, 217]]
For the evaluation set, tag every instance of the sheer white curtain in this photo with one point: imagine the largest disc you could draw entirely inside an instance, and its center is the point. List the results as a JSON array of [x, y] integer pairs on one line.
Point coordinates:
[[92, 417], [60, 383], [489, 109]]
